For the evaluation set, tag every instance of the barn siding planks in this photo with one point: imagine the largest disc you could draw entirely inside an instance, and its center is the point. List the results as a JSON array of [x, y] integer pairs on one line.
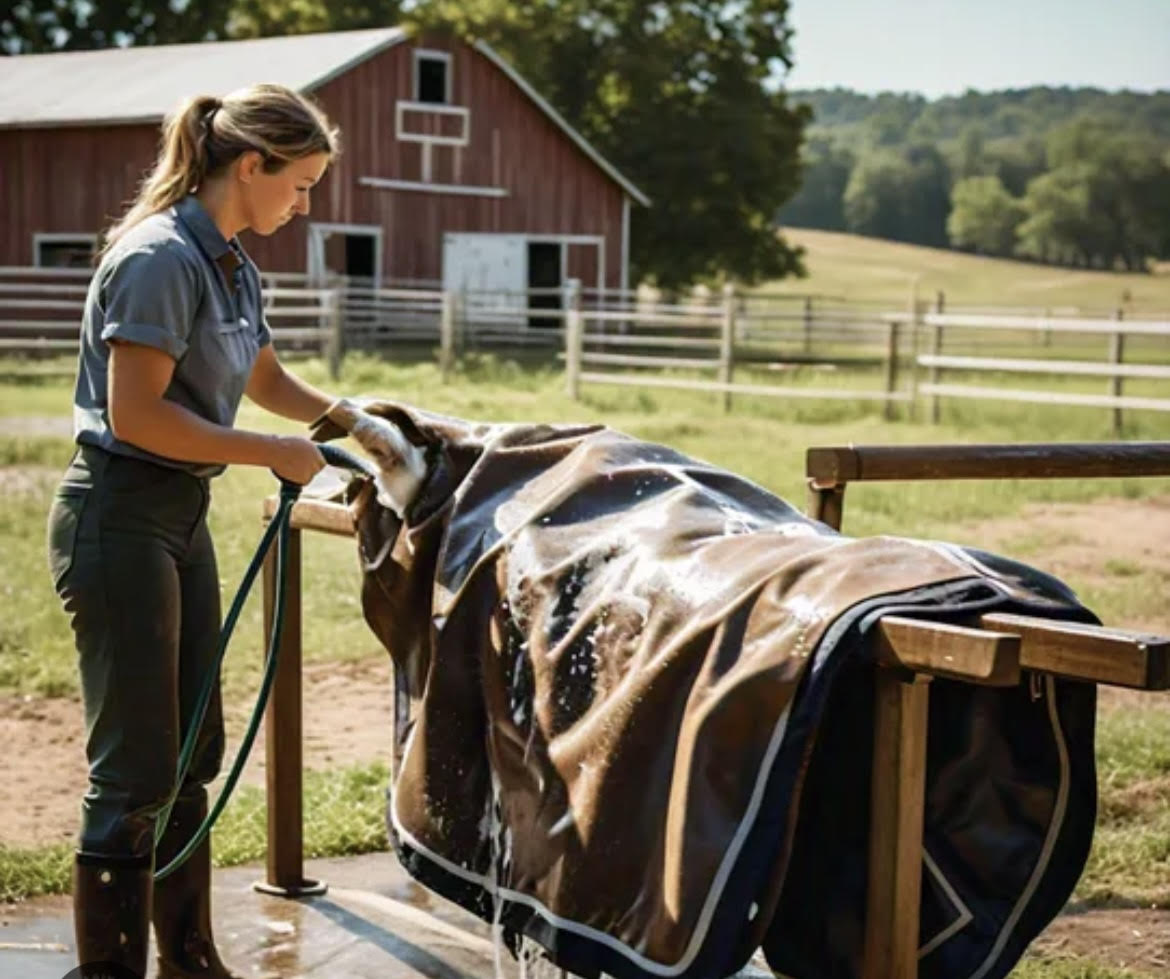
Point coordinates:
[[78, 178]]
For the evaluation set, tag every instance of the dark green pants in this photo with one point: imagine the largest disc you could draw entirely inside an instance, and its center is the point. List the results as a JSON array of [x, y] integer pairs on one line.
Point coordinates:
[[133, 562]]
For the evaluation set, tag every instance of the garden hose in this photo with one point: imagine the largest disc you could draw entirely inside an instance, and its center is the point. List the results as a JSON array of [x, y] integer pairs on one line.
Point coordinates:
[[278, 528]]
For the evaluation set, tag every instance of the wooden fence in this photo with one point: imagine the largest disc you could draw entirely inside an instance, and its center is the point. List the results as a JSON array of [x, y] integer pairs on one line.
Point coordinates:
[[41, 310], [943, 328], [728, 343], [615, 346]]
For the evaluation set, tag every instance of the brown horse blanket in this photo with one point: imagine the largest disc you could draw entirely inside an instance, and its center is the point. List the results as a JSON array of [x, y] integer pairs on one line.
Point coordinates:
[[634, 708]]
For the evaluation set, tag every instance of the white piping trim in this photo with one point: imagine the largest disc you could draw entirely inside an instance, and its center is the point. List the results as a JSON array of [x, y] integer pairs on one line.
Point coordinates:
[[965, 916], [705, 915], [384, 183], [1054, 827], [556, 117]]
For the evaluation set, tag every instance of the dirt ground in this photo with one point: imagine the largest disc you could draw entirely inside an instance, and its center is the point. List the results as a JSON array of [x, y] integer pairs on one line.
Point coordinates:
[[348, 710]]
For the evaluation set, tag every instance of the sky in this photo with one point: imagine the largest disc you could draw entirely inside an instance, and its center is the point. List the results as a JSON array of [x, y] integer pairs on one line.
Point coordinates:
[[944, 47]]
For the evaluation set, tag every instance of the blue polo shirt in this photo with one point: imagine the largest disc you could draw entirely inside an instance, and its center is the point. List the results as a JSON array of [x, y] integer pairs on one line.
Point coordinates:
[[172, 282]]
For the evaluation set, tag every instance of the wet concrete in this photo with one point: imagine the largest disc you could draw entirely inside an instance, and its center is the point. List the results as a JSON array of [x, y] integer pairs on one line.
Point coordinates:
[[374, 923]]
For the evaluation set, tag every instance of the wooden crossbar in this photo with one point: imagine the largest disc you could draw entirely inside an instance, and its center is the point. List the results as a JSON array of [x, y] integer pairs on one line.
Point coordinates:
[[921, 650]]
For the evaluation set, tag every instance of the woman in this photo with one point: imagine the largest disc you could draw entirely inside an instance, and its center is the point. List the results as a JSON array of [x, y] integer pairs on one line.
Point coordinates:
[[173, 335]]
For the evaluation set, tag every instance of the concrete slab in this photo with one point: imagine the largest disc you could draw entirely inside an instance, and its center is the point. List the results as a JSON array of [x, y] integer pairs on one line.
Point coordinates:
[[374, 923]]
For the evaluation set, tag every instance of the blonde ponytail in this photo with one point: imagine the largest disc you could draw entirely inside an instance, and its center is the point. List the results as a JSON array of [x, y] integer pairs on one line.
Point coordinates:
[[206, 134]]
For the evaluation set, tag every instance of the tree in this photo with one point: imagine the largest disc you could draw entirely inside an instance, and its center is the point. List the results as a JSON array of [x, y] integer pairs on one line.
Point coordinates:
[[984, 216], [875, 199], [676, 95], [820, 201], [901, 195], [1057, 222], [265, 18], [30, 26]]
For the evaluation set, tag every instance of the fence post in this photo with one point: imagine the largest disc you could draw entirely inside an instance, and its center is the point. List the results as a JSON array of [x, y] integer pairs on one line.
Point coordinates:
[[807, 319], [283, 737], [915, 328], [447, 335], [334, 334], [574, 338], [1116, 356], [891, 368], [936, 345], [727, 342]]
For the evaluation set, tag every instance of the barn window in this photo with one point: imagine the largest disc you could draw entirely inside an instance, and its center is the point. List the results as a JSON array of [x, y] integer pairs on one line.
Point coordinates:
[[64, 251], [432, 76]]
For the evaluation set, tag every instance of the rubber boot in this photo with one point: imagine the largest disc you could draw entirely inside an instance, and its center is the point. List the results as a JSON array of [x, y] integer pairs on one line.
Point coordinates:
[[182, 902], [111, 915]]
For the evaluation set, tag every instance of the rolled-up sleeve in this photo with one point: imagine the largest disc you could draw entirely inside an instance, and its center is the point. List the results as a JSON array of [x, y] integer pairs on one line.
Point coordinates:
[[150, 298]]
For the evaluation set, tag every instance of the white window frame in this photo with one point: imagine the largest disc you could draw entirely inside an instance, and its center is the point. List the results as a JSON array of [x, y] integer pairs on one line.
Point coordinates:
[[431, 54], [402, 107], [319, 231], [56, 237]]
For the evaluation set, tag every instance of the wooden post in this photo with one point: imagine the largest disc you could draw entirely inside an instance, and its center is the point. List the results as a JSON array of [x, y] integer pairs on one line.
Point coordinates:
[[915, 330], [282, 732], [826, 503], [727, 341], [447, 335], [936, 345], [334, 333], [891, 367], [574, 339], [897, 798], [1116, 357], [807, 320]]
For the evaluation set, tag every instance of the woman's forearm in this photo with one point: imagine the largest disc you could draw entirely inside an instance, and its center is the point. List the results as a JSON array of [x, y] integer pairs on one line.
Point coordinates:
[[285, 394], [174, 432]]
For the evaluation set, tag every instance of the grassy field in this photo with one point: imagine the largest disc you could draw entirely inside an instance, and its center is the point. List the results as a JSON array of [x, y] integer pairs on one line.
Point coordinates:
[[869, 269], [763, 439]]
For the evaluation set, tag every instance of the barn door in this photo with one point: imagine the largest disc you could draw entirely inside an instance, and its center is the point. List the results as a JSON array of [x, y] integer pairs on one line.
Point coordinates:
[[491, 272]]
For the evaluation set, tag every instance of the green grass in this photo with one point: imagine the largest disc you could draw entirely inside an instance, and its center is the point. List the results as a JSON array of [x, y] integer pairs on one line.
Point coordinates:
[[1130, 862], [870, 269], [345, 813], [763, 439], [1047, 967]]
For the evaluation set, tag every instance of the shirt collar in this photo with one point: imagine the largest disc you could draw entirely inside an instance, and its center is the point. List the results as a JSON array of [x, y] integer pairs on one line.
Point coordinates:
[[224, 253]]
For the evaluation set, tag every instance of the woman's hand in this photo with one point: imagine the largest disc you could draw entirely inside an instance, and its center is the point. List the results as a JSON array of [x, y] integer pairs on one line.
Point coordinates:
[[295, 459]]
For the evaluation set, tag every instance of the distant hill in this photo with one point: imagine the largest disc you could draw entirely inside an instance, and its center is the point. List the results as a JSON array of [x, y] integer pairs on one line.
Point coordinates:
[[857, 269], [1067, 176]]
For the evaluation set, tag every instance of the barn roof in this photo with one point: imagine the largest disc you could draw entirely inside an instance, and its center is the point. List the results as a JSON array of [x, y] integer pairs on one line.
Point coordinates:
[[122, 86]]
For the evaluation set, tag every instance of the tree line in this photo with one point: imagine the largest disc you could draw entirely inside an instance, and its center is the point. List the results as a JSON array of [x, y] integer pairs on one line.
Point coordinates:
[[1068, 176]]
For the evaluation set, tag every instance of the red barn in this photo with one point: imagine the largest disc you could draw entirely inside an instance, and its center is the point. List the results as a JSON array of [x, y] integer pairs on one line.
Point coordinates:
[[454, 169]]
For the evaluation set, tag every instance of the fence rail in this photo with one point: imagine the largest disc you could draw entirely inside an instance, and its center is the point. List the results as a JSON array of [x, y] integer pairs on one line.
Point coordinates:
[[635, 338], [1115, 330]]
